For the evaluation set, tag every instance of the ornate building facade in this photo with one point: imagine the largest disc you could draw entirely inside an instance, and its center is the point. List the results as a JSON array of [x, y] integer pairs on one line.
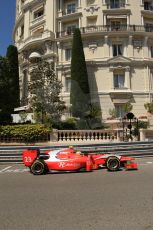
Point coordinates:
[[118, 45]]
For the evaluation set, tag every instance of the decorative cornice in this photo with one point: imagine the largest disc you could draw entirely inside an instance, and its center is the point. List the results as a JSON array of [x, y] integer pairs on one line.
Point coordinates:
[[31, 4], [119, 67], [93, 46]]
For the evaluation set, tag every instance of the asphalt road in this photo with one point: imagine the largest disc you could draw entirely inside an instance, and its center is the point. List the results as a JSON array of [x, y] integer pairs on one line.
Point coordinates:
[[77, 201]]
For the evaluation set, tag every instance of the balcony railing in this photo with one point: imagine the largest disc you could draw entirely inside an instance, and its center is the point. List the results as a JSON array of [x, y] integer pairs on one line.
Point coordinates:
[[123, 90], [36, 20], [87, 135], [115, 5], [107, 28]]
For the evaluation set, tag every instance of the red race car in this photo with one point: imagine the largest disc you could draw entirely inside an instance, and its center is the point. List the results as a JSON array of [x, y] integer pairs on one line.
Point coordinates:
[[69, 159]]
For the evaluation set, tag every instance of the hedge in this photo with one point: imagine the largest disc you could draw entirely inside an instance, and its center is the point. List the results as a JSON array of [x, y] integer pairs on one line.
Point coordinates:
[[25, 133]]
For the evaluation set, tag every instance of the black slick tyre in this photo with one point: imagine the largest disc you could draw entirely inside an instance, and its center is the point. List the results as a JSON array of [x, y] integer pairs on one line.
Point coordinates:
[[113, 164], [38, 168]]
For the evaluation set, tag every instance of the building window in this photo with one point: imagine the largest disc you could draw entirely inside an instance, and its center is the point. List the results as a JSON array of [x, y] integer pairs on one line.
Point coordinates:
[[120, 111], [67, 84], [38, 13], [148, 5], [148, 27], [22, 31], [68, 54], [115, 25], [114, 4], [151, 51], [117, 50], [119, 81], [71, 28], [71, 8]]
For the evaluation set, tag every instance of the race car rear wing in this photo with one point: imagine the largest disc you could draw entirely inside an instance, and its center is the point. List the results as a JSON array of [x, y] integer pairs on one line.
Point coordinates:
[[29, 156]]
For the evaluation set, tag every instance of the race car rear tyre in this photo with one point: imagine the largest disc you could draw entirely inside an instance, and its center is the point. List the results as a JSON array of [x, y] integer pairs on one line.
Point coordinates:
[[38, 167], [113, 164]]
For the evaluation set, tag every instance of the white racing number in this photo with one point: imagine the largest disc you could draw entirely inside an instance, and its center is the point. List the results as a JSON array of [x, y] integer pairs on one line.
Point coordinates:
[[28, 159]]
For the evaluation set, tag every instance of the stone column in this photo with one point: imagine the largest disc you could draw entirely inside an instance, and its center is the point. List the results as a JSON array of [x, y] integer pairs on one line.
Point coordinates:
[[79, 3], [54, 135], [111, 70], [127, 78], [104, 19], [145, 47], [142, 134], [128, 20], [130, 47], [125, 48], [59, 47], [61, 5], [106, 47], [103, 2], [80, 22], [142, 20]]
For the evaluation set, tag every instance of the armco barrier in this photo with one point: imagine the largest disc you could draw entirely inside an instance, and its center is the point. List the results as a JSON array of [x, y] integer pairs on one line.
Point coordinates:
[[137, 149]]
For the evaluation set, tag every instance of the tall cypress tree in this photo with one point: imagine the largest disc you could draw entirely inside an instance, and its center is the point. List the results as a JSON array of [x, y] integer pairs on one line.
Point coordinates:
[[5, 110], [12, 57], [80, 93]]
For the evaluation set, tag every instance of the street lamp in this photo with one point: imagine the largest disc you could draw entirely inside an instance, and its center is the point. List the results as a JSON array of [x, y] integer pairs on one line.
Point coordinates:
[[130, 118]]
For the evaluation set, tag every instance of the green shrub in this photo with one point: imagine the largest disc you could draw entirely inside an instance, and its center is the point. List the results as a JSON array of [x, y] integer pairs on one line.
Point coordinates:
[[25, 133], [68, 124], [149, 107]]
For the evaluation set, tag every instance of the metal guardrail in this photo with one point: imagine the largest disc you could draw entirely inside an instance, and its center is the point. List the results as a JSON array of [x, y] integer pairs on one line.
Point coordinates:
[[138, 149]]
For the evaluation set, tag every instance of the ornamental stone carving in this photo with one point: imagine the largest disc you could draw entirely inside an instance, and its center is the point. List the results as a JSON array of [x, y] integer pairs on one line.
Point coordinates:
[[92, 9]]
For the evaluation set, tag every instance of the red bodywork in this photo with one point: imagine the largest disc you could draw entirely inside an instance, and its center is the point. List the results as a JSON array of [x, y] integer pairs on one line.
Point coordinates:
[[71, 160]]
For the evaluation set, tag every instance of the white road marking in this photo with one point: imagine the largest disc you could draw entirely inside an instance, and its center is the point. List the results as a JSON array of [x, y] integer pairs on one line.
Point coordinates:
[[9, 170], [16, 170], [5, 169], [146, 163]]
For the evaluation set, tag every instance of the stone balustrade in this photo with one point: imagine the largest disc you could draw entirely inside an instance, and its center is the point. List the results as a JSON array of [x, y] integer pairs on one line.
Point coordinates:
[[86, 135]]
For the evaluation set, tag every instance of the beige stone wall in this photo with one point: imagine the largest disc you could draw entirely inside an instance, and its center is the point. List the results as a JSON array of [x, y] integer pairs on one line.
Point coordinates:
[[98, 39]]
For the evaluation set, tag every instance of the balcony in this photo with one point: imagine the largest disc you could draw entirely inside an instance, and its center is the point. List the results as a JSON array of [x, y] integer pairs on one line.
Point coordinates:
[[108, 29], [120, 90], [34, 39], [69, 14], [37, 21]]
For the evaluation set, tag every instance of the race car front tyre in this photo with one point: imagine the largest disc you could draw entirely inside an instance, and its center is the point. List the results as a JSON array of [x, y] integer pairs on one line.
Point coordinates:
[[38, 168], [113, 164]]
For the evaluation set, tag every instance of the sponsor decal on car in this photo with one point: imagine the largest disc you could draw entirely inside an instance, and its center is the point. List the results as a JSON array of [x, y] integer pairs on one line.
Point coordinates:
[[67, 164]]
